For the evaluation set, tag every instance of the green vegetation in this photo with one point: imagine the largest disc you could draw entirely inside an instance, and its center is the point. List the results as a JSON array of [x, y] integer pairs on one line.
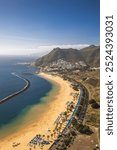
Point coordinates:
[[82, 100], [85, 129], [92, 101], [79, 110], [95, 105]]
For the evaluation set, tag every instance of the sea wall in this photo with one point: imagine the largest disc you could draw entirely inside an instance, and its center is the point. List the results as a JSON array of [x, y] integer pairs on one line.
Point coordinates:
[[27, 85]]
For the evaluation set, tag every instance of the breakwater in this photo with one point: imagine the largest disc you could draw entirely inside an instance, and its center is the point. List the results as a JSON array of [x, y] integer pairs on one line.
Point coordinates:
[[27, 85]]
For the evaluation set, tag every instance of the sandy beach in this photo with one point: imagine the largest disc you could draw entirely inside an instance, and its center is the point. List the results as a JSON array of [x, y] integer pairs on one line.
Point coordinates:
[[45, 120]]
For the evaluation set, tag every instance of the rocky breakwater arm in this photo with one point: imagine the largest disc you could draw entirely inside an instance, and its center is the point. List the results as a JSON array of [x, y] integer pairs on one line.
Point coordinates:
[[27, 85]]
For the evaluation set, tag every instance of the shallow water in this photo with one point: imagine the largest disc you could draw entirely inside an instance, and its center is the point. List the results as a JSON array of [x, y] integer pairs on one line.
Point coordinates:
[[26, 107]]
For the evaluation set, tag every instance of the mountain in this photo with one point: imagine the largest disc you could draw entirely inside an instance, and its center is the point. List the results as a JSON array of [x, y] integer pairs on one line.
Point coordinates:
[[89, 55]]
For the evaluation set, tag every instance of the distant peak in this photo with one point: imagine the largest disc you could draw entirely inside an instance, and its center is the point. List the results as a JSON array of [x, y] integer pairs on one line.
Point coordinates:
[[57, 48], [92, 46]]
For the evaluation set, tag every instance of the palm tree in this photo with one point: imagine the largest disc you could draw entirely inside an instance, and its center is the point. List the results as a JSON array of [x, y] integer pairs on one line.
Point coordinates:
[[43, 136], [56, 125], [59, 128], [48, 137], [52, 135], [61, 125], [54, 132], [65, 113]]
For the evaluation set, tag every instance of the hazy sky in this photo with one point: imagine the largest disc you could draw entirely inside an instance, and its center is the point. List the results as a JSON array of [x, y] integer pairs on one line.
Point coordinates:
[[29, 26]]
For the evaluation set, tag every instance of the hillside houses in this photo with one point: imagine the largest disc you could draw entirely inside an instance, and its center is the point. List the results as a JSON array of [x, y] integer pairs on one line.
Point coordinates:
[[61, 64]]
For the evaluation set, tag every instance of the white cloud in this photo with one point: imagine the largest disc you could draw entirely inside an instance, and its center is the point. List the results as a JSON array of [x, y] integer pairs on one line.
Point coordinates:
[[75, 46], [29, 48], [47, 48]]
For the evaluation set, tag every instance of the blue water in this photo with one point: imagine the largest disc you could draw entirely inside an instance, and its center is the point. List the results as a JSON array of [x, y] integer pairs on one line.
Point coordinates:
[[9, 84]]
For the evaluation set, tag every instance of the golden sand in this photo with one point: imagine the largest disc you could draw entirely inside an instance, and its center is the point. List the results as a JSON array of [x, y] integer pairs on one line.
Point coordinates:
[[46, 120]]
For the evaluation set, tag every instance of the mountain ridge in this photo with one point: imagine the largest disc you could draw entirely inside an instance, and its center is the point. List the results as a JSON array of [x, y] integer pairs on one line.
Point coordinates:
[[89, 55]]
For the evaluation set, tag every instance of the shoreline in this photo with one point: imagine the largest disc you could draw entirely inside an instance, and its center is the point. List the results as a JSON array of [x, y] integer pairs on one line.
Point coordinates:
[[46, 120]]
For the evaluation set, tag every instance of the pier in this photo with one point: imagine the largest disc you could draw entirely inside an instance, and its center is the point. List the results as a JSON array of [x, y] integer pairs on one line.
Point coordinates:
[[27, 85]]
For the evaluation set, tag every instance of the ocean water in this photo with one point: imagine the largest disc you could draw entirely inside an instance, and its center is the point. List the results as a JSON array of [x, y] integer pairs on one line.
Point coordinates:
[[18, 106]]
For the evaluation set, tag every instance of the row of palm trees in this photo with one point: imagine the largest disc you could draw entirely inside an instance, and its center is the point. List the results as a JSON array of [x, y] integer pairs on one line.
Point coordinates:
[[79, 115], [61, 124]]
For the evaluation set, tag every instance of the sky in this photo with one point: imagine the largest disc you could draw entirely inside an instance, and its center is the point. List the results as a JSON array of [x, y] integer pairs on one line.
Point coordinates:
[[32, 26]]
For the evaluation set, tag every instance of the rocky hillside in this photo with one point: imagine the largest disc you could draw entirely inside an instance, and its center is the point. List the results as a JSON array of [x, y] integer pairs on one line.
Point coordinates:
[[89, 55]]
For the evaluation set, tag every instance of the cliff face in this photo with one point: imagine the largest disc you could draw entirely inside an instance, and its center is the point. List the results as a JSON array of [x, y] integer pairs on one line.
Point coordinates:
[[89, 55]]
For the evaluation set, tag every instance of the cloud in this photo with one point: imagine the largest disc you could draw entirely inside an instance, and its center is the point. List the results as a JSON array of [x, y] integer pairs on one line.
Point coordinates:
[[45, 49], [75, 46], [48, 48], [31, 49]]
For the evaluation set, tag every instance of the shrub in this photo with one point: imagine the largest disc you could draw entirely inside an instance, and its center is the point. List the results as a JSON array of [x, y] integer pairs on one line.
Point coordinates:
[[83, 79], [73, 133], [63, 147], [67, 140], [85, 129], [95, 105], [82, 101], [75, 88], [79, 110], [92, 101], [74, 121]]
